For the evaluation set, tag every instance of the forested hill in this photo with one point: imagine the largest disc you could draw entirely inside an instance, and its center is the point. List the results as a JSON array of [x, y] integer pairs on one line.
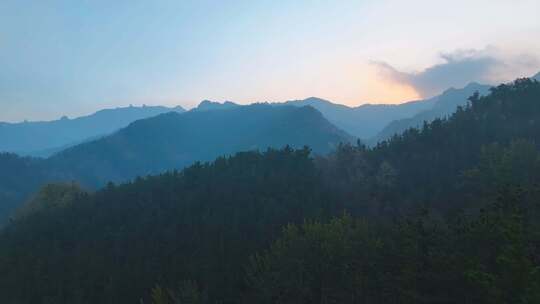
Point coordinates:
[[443, 105], [19, 177], [43, 138], [174, 140], [375, 122], [166, 142], [363, 121], [444, 214], [207, 105]]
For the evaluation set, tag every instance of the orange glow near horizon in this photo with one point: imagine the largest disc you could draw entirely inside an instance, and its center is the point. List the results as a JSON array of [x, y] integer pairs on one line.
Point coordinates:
[[381, 90], [389, 93], [362, 84]]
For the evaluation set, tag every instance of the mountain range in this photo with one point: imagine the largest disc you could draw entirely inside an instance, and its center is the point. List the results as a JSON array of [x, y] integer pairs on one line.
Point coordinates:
[[174, 140], [44, 138], [165, 142], [120, 144], [369, 122], [366, 120], [441, 106], [445, 214], [374, 122]]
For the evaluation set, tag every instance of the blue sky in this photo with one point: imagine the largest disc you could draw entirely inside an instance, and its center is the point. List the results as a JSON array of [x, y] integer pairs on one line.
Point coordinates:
[[75, 57]]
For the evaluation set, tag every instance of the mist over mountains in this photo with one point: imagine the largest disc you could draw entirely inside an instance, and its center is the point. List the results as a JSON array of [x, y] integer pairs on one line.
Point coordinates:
[[440, 106], [375, 122], [207, 105], [431, 210], [368, 122], [269, 152], [166, 142], [43, 138], [173, 140], [120, 144], [363, 121]]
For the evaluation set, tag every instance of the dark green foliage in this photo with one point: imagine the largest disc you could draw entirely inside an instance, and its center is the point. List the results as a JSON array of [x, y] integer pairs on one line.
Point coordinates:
[[166, 142], [187, 293], [199, 224], [445, 214], [19, 178], [431, 161], [443, 105], [50, 197], [175, 140], [336, 262], [422, 259]]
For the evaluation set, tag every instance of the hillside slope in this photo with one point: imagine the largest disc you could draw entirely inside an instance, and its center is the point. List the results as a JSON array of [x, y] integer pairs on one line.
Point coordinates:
[[366, 120], [443, 106], [201, 228], [44, 138], [173, 140]]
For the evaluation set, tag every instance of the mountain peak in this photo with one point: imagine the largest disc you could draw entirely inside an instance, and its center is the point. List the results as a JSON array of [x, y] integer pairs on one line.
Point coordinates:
[[206, 105], [41, 138], [309, 101], [537, 76], [178, 140], [178, 109], [206, 102], [316, 99], [473, 85]]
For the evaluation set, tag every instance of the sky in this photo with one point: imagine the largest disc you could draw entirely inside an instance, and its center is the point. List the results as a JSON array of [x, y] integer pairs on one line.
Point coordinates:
[[75, 57]]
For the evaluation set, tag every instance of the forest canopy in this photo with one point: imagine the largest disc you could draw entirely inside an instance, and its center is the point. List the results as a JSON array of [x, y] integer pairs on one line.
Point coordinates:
[[447, 213]]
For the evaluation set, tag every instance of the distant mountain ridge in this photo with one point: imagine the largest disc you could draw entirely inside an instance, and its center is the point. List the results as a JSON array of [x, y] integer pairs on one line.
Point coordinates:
[[207, 105], [368, 120], [165, 142], [208, 222], [361, 122], [442, 106], [174, 140], [365, 120], [44, 138]]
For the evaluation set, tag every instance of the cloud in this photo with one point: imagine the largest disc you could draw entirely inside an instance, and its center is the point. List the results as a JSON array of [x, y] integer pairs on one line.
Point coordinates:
[[458, 68]]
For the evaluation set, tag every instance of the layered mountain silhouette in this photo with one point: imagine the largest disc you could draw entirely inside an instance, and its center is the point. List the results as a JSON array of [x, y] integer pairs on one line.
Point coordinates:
[[159, 138], [170, 141], [174, 140], [441, 106], [44, 138], [371, 122], [363, 121], [209, 221], [207, 105]]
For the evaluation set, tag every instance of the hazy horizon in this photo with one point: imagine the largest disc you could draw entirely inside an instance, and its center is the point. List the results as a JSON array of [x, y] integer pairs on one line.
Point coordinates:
[[429, 194], [74, 58]]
